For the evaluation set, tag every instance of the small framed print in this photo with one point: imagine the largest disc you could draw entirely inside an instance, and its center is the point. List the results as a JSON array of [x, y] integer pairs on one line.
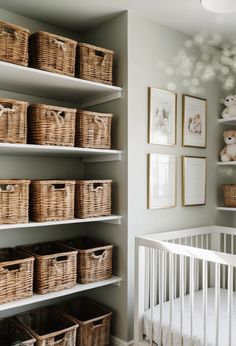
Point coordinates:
[[194, 121], [162, 181], [194, 181], [162, 116]]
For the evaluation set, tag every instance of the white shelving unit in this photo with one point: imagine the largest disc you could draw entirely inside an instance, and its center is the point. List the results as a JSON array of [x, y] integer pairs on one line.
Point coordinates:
[[230, 163], [226, 209], [231, 121]]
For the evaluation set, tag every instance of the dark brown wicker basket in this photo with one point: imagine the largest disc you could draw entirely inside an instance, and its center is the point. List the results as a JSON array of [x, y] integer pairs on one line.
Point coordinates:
[[52, 200], [92, 198], [14, 43], [94, 259], [49, 327], [229, 191], [52, 53], [13, 121], [55, 266], [94, 63], [16, 275], [12, 333], [50, 125], [94, 321], [93, 130], [14, 201]]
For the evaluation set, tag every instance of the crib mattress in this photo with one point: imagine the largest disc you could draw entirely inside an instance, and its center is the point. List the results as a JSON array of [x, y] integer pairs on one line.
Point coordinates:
[[197, 340]]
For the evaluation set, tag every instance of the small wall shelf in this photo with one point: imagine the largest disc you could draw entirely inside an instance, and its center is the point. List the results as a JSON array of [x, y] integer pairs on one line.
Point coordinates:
[[226, 209], [230, 163], [229, 121]]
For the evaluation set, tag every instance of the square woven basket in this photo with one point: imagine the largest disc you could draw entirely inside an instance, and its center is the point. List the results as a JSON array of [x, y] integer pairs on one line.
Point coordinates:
[[229, 192], [16, 275], [12, 333], [14, 43], [51, 125]]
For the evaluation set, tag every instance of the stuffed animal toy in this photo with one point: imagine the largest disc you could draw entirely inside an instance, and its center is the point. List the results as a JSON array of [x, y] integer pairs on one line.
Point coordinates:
[[229, 151], [230, 104]]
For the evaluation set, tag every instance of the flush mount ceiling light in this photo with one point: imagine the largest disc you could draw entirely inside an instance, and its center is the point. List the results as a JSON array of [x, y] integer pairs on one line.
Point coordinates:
[[220, 6]]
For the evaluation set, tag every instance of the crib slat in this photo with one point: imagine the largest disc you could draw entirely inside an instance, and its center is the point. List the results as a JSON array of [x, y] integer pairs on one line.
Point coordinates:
[[147, 279], [192, 285], [151, 291], [171, 277], [224, 267], [217, 300], [182, 292], [185, 270], [161, 256], [197, 268], [230, 303], [205, 285], [165, 275]]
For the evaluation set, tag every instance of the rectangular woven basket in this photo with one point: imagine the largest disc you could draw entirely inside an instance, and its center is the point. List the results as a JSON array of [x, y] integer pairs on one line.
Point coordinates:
[[94, 63], [55, 266], [16, 275], [229, 192], [14, 43], [13, 121], [93, 130], [12, 333], [52, 53], [14, 201], [94, 321], [51, 125], [52, 200], [92, 198]]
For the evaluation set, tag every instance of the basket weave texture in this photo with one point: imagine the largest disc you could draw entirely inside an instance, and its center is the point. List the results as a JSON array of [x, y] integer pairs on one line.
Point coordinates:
[[93, 130], [13, 121], [55, 267], [94, 259], [12, 333], [14, 44], [229, 191], [94, 321], [50, 125], [14, 201], [92, 198], [52, 200], [16, 275], [52, 53], [94, 63]]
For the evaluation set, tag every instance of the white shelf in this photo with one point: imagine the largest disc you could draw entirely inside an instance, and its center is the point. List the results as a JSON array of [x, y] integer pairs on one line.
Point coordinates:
[[230, 121], [230, 163], [37, 298], [31, 81], [226, 209]]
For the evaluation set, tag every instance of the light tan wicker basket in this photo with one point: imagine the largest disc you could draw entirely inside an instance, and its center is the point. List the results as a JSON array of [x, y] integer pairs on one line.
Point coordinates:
[[51, 125], [14, 43], [92, 198], [94, 63], [13, 121], [93, 130], [52, 200], [229, 192], [12, 333], [14, 201], [52, 53], [16, 275]]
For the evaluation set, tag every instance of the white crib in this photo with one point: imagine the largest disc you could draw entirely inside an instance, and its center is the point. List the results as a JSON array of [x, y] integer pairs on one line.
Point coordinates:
[[185, 283]]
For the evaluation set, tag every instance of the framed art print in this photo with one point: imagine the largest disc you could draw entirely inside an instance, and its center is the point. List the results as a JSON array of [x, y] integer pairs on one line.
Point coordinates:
[[162, 181], [162, 117], [194, 121], [194, 181]]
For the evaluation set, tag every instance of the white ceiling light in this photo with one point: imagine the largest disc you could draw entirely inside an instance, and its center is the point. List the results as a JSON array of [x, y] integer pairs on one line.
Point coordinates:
[[220, 6]]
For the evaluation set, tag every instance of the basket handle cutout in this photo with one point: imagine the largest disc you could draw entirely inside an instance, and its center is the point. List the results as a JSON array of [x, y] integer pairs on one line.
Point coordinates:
[[97, 324], [60, 44], [99, 53], [59, 338], [99, 255], [9, 31], [97, 186], [61, 258], [100, 122], [59, 117], [13, 268], [8, 188], [7, 109]]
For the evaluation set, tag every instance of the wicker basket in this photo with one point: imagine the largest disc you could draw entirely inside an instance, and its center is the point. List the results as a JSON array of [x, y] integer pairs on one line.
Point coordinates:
[[52, 53], [229, 191], [52, 200], [94, 260], [93, 130], [16, 275], [14, 43], [50, 125], [49, 327], [92, 198], [13, 334], [55, 266], [14, 201], [94, 321], [13, 121], [94, 63]]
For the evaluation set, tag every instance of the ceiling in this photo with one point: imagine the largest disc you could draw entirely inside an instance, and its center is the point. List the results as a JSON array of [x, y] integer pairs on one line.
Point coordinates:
[[186, 16]]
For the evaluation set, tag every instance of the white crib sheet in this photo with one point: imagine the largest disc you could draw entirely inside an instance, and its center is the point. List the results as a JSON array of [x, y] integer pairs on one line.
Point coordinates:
[[198, 321]]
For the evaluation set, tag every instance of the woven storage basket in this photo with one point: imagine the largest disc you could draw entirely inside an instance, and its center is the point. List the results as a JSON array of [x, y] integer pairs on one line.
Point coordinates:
[[50, 125], [94, 260], [94, 321], [229, 191], [12, 333], [14, 201], [52, 53], [92, 198], [49, 327], [52, 200], [13, 121], [93, 130], [16, 275], [14, 44], [94, 63], [55, 267]]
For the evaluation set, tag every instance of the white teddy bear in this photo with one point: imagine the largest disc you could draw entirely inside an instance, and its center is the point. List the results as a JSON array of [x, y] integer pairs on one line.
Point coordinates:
[[230, 104]]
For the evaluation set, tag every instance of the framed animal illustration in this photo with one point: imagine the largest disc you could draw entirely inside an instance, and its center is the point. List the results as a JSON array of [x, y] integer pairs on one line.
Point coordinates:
[[162, 117]]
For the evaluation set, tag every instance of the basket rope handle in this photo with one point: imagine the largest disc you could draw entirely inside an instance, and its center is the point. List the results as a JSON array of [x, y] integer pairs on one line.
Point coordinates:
[[5, 110], [9, 189], [4, 270], [54, 264], [65, 189], [60, 44], [97, 326], [57, 115], [7, 31], [96, 189], [100, 122], [101, 257]]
